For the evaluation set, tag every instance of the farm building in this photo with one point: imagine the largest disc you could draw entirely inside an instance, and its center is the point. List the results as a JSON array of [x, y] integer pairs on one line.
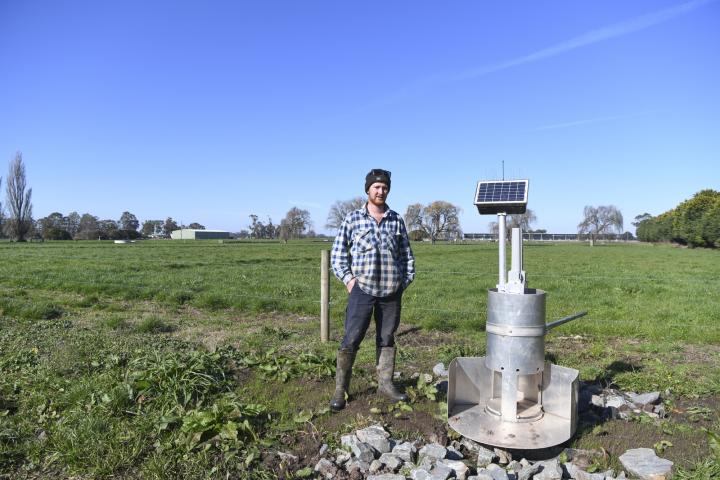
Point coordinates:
[[192, 234]]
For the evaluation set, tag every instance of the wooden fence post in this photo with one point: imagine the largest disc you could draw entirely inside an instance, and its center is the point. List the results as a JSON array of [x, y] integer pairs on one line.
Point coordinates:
[[324, 295]]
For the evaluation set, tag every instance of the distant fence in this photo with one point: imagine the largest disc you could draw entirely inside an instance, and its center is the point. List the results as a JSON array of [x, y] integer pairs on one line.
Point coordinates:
[[555, 237]]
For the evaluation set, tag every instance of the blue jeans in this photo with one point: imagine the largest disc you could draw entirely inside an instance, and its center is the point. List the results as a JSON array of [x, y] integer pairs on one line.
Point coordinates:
[[360, 309]]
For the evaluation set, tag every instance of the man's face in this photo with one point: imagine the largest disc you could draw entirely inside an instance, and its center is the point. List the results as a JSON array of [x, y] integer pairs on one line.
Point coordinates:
[[377, 194]]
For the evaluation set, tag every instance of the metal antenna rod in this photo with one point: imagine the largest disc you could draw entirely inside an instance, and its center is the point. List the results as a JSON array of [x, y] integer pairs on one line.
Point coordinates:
[[501, 240]]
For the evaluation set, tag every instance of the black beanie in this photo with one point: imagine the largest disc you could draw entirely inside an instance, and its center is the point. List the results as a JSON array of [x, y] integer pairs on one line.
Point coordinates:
[[377, 175]]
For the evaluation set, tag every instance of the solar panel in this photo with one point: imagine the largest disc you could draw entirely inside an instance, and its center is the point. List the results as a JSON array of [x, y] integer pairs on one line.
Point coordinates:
[[501, 196]]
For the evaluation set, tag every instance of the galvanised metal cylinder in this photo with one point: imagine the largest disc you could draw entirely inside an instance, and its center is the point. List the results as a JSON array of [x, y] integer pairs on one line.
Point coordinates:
[[516, 332]]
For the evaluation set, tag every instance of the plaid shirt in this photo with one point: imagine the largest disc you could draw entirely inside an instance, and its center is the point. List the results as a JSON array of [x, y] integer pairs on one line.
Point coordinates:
[[377, 255]]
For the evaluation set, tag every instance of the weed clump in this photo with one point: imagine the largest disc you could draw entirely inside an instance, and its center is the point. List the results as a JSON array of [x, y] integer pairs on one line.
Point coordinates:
[[212, 302], [152, 325], [114, 322]]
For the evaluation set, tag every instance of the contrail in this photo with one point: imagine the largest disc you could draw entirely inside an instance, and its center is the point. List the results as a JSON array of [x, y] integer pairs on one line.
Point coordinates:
[[594, 36], [589, 38], [589, 120]]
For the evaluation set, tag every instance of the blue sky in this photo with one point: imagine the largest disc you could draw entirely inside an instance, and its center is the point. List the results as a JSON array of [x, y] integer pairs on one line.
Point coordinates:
[[212, 111]]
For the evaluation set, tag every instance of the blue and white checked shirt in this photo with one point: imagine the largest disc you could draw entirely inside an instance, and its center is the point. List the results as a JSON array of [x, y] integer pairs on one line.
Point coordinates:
[[377, 255]]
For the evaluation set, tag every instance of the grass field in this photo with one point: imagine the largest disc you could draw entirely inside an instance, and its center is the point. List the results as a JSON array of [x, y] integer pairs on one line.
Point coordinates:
[[164, 359]]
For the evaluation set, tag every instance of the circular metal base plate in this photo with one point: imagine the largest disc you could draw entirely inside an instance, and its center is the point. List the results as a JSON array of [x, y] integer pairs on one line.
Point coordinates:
[[478, 424]]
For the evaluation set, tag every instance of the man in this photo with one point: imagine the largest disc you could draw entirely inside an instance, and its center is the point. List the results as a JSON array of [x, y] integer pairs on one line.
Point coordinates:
[[371, 255]]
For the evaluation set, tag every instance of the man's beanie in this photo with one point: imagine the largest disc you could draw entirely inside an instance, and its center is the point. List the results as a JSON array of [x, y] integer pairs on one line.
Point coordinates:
[[377, 175]]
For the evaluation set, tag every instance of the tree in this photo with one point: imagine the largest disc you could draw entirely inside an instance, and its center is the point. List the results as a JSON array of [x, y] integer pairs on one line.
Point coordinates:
[[88, 228], [256, 229], [516, 220], [284, 233], [19, 223], [270, 230], [437, 220], [340, 209], [152, 228], [693, 219], [128, 227], [108, 229], [196, 226], [72, 223], [641, 218], [128, 222], [297, 221], [169, 226], [2, 214], [54, 227], [602, 219]]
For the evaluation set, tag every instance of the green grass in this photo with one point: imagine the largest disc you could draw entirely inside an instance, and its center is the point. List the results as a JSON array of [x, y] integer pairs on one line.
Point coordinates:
[[165, 360], [655, 292]]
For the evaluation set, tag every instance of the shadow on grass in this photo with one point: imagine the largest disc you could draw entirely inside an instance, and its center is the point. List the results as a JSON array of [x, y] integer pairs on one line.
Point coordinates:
[[607, 377]]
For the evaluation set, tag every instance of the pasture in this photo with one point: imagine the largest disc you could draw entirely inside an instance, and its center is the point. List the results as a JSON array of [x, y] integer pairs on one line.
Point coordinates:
[[164, 359]]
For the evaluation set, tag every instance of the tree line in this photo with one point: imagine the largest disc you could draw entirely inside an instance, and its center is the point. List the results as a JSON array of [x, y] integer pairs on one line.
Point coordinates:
[[694, 222]]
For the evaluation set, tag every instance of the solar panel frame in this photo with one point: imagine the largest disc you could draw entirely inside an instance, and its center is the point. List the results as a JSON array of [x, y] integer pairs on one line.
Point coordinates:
[[501, 196]]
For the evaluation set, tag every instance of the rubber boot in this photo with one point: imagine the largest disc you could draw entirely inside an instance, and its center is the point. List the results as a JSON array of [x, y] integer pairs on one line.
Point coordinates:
[[345, 360], [385, 371]]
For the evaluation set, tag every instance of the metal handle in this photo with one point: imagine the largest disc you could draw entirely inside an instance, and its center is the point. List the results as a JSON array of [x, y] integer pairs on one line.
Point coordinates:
[[570, 318]]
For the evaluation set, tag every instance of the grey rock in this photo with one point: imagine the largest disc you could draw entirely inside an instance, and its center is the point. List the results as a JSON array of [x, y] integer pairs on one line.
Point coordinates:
[[514, 466], [397, 375], [550, 470], [504, 457], [326, 468], [427, 463], [577, 473], [471, 445], [650, 398], [644, 464], [375, 466], [386, 476], [376, 437], [460, 469], [342, 457], [287, 457], [660, 411], [496, 472], [441, 472], [347, 440], [427, 378], [440, 371], [481, 476], [363, 452], [391, 461], [364, 466], [612, 413], [323, 449], [598, 401], [420, 474], [527, 472], [433, 450], [583, 458], [485, 457], [453, 453], [615, 401], [406, 451], [351, 464]]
